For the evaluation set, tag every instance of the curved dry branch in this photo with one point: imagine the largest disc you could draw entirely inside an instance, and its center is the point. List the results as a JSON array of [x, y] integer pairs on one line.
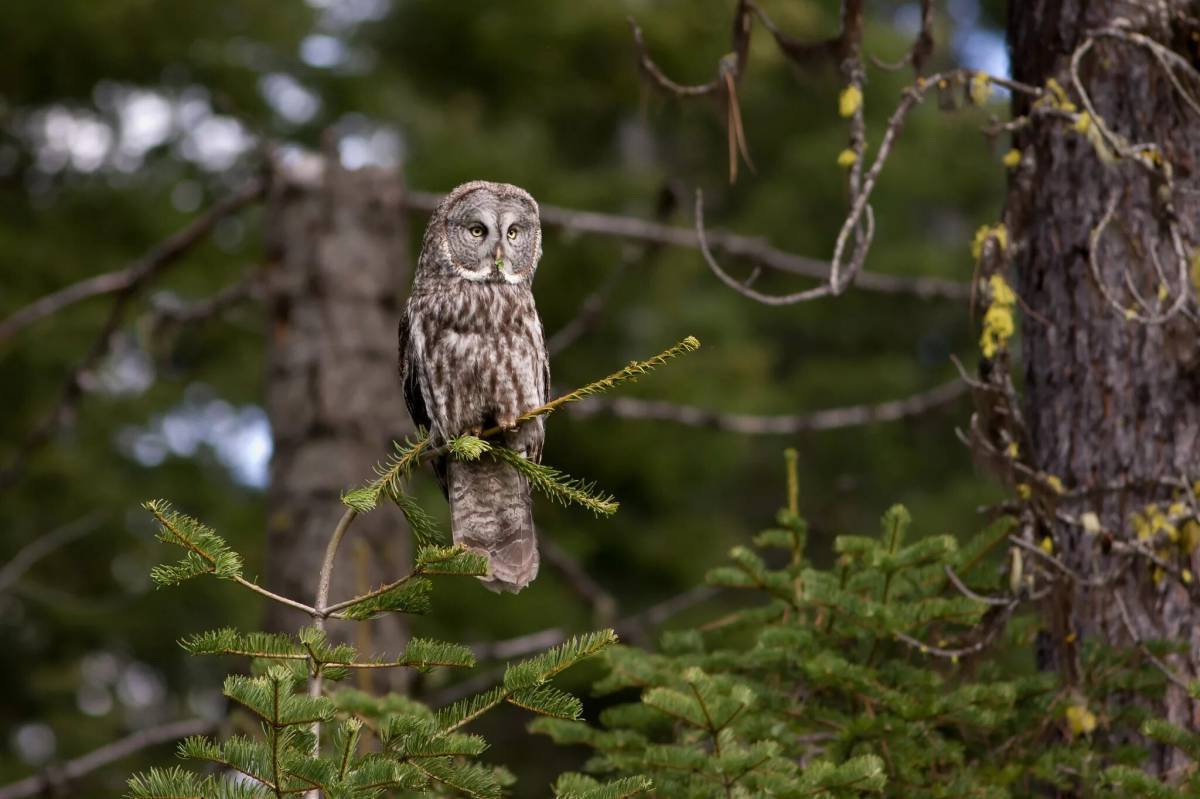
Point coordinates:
[[740, 49], [1147, 156], [1146, 315]]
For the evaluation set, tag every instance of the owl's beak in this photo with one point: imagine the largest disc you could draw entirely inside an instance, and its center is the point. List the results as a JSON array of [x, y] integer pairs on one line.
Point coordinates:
[[499, 257]]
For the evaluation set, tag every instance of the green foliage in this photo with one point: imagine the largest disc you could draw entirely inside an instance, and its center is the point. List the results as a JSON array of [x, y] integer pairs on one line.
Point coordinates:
[[556, 120], [409, 596], [872, 676], [628, 374], [579, 786], [206, 552], [1129, 781], [418, 752], [560, 487]]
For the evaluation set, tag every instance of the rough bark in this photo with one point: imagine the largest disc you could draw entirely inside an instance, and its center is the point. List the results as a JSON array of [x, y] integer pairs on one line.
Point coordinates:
[[338, 262], [1109, 402]]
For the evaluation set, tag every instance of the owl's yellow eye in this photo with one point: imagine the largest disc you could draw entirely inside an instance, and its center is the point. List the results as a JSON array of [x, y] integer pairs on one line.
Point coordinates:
[[512, 233], [477, 230]]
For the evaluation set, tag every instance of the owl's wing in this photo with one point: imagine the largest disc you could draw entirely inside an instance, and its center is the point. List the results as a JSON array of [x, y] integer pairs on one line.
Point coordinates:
[[414, 396], [535, 451]]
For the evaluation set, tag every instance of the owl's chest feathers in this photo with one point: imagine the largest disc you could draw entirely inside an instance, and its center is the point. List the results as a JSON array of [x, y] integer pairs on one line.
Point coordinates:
[[482, 348], [478, 308]]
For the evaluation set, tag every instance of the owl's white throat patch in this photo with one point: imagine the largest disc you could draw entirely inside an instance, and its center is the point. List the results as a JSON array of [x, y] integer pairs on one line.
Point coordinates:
[[477, 276], [507, 272]]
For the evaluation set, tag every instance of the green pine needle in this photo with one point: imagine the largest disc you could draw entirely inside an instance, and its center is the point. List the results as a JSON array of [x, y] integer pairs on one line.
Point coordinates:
[[476, 781], [557, 485], [409, 596], [468, 448], [630, 373], [228, 641], [425, 529], [451, 560], [578, 786], [207, 552]]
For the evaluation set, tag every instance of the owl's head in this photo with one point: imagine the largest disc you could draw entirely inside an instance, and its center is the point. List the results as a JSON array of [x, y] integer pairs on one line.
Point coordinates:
[[485, 233]]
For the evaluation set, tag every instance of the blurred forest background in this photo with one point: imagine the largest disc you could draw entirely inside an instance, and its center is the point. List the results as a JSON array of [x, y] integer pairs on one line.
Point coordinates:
[[121, 119]]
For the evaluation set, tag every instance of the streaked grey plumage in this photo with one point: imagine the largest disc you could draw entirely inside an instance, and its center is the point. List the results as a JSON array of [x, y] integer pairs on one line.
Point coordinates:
[[473, 356]]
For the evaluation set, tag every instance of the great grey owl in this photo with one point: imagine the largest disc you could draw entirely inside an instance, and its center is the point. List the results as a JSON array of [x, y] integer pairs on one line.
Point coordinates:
[[473, 356]]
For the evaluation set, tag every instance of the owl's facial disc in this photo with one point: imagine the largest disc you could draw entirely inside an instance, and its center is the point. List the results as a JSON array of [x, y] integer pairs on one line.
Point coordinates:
[[492, 239], [514, 262]]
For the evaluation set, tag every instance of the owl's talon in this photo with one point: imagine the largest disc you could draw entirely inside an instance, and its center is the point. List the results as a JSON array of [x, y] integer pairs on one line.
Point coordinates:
[[509, 423], [475, 430]]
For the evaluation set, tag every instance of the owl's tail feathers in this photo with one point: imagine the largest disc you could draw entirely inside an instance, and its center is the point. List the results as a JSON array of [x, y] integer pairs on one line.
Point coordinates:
[[491, 511]]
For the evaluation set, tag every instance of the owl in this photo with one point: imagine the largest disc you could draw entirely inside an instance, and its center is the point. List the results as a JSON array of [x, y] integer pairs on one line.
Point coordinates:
[[473, 356]]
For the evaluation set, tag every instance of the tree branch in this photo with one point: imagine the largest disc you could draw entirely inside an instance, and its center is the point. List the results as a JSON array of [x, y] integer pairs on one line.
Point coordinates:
[[751, 424], [137, 275], [740, 49], [603, 603], [52, 780], [43, 545], [138, 272]]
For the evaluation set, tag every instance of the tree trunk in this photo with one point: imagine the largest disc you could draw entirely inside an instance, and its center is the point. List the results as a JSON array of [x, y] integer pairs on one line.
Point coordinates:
[[338, 254], [1112, 404]]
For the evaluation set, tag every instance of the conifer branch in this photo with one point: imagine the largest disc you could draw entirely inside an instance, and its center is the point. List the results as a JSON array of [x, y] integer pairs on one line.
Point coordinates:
[[524, 680], [431, 561], [632, 372], [557, 485]]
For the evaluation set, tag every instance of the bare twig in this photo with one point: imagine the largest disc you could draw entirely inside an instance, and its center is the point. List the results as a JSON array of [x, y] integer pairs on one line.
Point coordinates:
[[319, 611], [589, 312], [967, 592], [54, 779], [1147, 156], [54, 302], [750, 424], [1145, 316], [602, 602], [43, 545], [741, 47], [283, 600], [922, 46], [847, 261], [174, 312], [969, 649]]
